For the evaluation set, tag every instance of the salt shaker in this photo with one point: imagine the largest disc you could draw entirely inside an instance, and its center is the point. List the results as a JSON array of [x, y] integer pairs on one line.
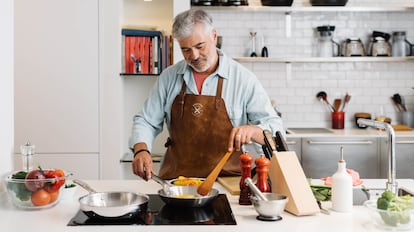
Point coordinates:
[[342, 192], [27, 152], [246, 166]]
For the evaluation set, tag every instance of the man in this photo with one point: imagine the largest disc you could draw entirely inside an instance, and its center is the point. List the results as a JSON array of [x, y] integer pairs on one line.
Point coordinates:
[[210, 103]]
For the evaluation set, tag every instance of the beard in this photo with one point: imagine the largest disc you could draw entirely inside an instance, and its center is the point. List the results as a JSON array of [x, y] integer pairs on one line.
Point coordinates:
[[202, 64]]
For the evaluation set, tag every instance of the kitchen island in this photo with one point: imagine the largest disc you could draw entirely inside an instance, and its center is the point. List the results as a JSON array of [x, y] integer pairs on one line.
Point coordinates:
[[57, 217]]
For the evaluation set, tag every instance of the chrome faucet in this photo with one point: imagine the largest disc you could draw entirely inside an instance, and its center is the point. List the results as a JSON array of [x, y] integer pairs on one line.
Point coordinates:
[[391, 183]]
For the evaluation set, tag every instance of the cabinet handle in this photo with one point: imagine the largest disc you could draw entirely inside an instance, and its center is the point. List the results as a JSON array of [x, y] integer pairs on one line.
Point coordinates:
[[405, 142], [290, 142], [366, 142]]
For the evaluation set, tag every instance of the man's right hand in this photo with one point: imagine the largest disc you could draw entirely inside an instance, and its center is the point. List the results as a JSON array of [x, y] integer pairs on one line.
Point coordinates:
[[142, 165]]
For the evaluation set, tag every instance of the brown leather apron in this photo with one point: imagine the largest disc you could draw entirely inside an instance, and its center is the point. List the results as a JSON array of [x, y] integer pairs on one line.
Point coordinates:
[[199, 133]]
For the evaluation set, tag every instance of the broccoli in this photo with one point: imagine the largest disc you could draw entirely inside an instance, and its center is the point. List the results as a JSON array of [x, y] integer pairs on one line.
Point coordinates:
[[397, 208]]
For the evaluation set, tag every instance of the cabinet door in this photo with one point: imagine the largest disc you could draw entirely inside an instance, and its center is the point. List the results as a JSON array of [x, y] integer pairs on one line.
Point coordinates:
[[56, 75], [320, 156], [404, 156], [294, 144]]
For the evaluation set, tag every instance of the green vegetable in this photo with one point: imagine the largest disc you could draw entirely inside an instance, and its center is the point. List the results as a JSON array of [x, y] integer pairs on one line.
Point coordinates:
[[19, 188], [321, 193], [70, 185], [397, 208]]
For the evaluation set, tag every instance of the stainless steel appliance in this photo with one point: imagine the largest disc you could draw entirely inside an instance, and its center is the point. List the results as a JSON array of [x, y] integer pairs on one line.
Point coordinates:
[[400, 45], [326, 47], [353, 47]]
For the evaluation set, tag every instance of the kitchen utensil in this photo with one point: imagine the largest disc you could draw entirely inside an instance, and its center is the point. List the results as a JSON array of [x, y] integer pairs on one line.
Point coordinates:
[[322, 96], [337, 104], [406, 118], [253, 39], [399, 102], [248, 181], [270, 209], [379, 44], [165, 184], [327, 47], [380, 47], [183, 195], [353, 47], [277, 2], [323, 210], [347, 98], [187, 196], [328, 2], [111, 204], [338, 120], [207, 185], [400, 45]]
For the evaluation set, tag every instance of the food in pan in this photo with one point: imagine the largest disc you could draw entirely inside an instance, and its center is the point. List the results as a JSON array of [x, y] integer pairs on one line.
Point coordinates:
[[187, 181]]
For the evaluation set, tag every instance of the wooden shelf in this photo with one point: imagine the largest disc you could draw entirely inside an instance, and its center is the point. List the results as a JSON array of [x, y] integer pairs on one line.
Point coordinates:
[[310, 8], [321, 59]]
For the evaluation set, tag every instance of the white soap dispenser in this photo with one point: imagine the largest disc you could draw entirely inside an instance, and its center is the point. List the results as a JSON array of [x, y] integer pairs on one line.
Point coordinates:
[[342, 187]]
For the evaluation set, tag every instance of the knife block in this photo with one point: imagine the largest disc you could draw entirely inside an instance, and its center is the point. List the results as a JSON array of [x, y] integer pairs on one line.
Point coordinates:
[[288, 178]]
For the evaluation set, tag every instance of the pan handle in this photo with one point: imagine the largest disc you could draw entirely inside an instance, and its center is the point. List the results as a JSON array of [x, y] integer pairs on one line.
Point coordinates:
[[84, 185]]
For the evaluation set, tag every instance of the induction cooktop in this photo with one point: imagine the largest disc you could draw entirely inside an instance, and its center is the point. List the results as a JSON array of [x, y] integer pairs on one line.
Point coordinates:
[[218, 212]]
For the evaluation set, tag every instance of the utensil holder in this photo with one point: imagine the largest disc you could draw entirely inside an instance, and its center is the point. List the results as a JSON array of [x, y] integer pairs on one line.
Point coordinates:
[[406, 118], [338, 120]]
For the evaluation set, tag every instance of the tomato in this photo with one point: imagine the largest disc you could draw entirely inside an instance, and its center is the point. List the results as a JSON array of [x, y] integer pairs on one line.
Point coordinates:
[[40, 197], [58, 181]]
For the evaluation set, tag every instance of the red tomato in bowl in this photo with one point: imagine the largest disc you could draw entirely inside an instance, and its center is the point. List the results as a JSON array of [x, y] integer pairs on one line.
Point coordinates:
[[58, 177]]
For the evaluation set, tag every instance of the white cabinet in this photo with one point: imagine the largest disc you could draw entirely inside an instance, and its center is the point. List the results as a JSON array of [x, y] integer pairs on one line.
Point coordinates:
[[57, 82], [404, 156], [320, 156]]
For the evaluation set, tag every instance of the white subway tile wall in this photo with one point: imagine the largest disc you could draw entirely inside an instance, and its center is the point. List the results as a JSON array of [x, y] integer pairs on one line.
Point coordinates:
[[371, 84]]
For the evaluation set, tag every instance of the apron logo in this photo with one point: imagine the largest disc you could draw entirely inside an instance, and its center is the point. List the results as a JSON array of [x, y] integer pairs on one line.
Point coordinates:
[[197, 109]]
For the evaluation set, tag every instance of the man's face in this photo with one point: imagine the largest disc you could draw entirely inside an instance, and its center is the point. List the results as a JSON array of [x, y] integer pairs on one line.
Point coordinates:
[[199, 49]]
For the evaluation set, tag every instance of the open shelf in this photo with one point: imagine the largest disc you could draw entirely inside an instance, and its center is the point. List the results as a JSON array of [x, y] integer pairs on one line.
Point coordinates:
[[322, 59], [290, 9]]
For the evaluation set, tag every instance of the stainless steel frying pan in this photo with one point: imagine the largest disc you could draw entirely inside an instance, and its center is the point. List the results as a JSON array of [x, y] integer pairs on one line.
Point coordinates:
[[111, 204], [183, 196]]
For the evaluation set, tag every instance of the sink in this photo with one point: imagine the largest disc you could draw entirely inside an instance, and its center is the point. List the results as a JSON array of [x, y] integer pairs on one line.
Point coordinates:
[[309, 130]]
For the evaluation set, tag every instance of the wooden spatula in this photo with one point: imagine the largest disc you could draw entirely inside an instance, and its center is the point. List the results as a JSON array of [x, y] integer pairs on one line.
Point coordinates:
[[207, 184]]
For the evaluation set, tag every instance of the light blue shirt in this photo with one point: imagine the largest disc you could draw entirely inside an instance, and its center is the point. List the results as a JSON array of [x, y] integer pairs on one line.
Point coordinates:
[[245, 98]]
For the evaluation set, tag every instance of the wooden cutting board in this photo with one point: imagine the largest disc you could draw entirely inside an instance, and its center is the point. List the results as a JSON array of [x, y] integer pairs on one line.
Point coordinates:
[[231, 183]]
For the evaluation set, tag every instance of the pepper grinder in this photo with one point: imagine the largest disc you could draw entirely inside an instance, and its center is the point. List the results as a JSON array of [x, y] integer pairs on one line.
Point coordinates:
[[27, 152], [246, 166], [342, 192], [262, 168], [253, 38]]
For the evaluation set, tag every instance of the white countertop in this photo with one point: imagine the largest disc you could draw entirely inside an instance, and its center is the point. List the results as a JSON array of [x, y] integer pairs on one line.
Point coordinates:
[[354, 132], [57, 217]]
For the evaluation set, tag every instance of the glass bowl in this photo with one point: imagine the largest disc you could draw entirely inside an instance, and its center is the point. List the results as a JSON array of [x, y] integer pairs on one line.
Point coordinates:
[[32, 194], [390, 220]]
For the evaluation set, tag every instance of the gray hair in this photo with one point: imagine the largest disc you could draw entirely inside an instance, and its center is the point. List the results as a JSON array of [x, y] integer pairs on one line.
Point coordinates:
[[185, 21]]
